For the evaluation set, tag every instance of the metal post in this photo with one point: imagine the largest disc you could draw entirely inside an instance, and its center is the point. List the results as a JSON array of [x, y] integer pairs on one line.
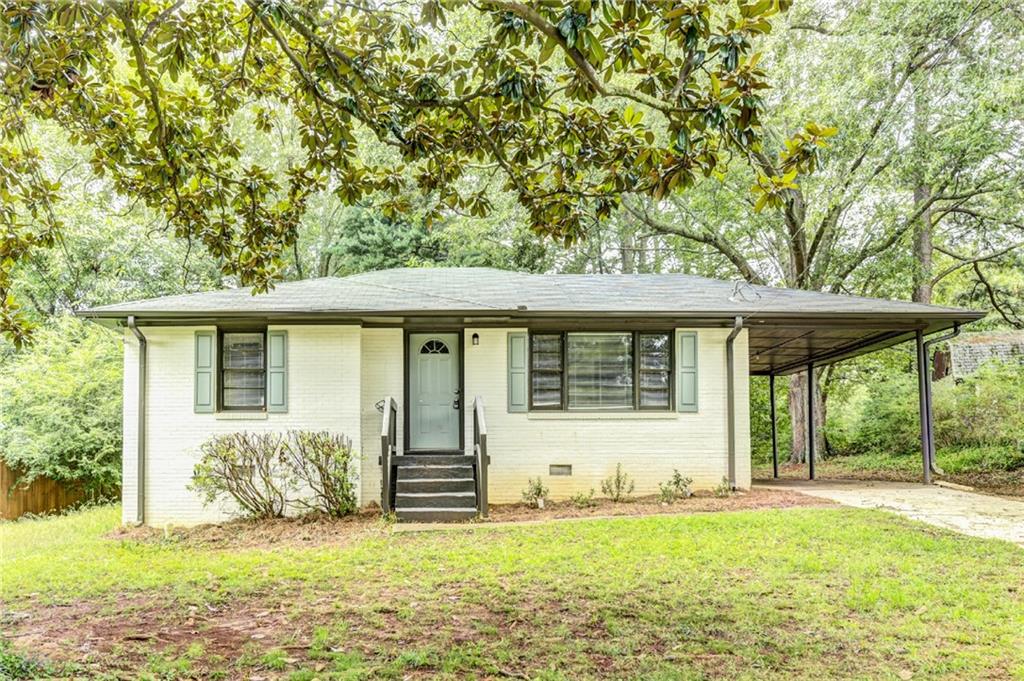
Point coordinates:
[[810, 420], [922, 393], [775, 436]]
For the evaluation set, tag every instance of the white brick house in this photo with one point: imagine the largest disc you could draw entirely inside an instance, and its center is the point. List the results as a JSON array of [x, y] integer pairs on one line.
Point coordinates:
[[572, 374]]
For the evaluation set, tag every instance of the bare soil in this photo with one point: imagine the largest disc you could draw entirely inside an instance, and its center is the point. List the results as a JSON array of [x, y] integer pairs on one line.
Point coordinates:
[[701, 502], [315, 530]]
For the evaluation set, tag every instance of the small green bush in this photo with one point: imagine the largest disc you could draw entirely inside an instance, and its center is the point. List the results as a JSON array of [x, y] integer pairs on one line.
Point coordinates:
[[584, 500], [618, 487], [535, 493], [723, 489], [676, 488]]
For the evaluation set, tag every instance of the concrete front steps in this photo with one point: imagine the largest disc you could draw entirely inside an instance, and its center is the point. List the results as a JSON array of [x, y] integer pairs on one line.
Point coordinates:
[[434, 488]]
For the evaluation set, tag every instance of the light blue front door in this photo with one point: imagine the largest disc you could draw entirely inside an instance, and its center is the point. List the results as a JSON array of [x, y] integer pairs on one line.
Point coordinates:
[[434, 399]]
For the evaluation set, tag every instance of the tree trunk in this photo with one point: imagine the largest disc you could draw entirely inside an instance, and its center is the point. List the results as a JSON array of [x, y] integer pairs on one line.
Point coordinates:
[[923, 227], [798, 419], [627, 251]]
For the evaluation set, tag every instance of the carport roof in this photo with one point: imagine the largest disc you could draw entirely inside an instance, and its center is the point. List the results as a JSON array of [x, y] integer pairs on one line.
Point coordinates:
[[788, 328]]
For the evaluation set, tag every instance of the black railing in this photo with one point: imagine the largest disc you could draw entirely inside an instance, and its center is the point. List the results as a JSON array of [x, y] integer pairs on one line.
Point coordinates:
[[480, 458], [388, 438]]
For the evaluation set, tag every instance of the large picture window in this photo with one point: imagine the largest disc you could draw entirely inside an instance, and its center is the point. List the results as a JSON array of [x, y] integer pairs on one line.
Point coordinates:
[[598, 371], [243, 370]]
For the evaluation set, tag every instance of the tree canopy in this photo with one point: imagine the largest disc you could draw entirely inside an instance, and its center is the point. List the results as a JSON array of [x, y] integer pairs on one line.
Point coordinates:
[[571, 104]]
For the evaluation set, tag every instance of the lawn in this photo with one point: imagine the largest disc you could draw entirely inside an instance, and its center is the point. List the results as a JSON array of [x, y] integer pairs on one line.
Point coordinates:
[[798, 593]]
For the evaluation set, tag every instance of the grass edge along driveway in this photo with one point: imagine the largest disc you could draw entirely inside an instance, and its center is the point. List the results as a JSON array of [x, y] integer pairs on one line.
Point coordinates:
[[804, 593]]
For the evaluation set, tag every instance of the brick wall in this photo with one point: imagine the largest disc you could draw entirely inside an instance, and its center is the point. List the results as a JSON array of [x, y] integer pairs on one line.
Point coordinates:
[[324, 393], [648, 444]]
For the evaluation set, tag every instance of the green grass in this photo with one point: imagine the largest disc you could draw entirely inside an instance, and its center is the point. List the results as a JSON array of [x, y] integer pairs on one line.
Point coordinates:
[[804, 593]]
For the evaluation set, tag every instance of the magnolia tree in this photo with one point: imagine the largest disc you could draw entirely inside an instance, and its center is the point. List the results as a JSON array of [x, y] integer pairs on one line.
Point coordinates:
[[566, 105]]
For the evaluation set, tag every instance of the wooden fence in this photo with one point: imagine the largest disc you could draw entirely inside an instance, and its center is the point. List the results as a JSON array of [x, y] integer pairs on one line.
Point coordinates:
[[41, 496]]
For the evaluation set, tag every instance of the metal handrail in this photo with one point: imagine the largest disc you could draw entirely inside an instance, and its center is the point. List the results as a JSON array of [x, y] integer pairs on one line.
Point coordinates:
[[388, 437], [481, 459]]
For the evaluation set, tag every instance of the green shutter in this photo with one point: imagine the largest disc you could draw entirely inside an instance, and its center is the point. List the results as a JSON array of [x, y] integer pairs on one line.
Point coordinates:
[[205, 397], [686, 371], [517, 372], [277, 371]]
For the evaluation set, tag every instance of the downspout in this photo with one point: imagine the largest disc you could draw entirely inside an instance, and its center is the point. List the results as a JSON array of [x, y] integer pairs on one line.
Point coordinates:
[[928, 393], [730, 391], [140, 463]]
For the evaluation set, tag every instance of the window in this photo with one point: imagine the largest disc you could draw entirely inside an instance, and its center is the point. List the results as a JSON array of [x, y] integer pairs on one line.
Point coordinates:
[[598, 371], [546, 371], [655, 370], [243, 370]]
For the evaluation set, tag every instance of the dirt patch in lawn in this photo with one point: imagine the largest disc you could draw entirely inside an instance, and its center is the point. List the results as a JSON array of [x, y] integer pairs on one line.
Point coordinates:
[[302, 531], [701, 502]]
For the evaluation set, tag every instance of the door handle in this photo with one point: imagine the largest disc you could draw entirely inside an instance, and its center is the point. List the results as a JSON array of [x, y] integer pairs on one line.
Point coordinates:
[[455, 404]]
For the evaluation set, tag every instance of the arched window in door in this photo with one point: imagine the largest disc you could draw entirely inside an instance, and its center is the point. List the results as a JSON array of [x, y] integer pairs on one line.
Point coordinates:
[[434, 347]]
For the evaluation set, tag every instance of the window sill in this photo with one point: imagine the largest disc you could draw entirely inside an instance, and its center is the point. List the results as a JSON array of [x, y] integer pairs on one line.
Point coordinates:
[[241, 416], [602, 415]]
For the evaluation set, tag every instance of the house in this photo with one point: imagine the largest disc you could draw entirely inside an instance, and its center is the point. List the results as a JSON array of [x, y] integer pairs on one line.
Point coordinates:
[[968, 352], [458, 385]]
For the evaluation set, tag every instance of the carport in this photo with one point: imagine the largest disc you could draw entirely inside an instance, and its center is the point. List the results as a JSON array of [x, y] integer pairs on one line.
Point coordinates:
[[782, 344]]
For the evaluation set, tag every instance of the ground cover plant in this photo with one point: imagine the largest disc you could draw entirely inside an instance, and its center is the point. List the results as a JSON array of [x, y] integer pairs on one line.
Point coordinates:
[[799, 593]]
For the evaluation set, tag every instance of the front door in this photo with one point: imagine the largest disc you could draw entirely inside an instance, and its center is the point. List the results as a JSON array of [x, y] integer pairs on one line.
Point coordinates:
[[435, 404]]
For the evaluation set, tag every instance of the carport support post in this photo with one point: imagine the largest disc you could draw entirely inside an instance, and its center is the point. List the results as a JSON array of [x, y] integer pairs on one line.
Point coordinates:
[[922, 393], [775, 436], [810, 420]]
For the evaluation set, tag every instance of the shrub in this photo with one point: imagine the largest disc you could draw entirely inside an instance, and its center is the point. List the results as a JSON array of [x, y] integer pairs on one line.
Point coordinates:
[[325, 465], [535, 493], [582, 500], [265, 473], [247, 467], [677, 487], [61, 407], [723, 489], [984, 411], [619, 486]]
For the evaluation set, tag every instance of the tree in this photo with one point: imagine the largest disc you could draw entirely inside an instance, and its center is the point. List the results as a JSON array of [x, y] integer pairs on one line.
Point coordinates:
[[925, 178], [569, 104], [62, 407]]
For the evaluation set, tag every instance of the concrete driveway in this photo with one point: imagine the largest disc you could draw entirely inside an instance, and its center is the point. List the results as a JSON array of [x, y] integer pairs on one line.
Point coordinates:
[[970, 513]]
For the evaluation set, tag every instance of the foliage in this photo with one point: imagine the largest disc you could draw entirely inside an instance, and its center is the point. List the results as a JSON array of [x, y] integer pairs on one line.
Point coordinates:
[[572, 105], [618, 487], [723, 489], [61, 415], [249, 468], [676, 488], [583, 499], [325, 465], [14, 665], [535, 493], [983, 410], [267, 473]]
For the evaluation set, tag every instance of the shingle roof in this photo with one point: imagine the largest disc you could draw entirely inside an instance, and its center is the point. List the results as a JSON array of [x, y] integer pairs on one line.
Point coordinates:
[[483, 291]]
